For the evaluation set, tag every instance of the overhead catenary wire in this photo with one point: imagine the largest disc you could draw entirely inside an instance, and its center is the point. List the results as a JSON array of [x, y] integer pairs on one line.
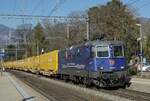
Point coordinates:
[[133, 2], [142, 6], [58, 4], [30, 17], [129, 1]]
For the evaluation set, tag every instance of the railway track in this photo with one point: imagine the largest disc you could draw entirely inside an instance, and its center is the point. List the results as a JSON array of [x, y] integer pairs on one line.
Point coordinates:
[[130, 94], [51, 91], [57, 93]]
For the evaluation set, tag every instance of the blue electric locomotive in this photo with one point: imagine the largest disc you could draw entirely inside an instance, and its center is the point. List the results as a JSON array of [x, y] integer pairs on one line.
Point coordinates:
[[101, 63]]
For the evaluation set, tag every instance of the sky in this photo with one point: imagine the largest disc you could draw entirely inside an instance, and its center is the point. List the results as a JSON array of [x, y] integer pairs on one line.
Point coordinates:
[[45, 7]]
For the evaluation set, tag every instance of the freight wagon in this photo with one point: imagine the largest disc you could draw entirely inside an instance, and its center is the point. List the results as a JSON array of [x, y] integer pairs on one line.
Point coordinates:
[[99, 63]]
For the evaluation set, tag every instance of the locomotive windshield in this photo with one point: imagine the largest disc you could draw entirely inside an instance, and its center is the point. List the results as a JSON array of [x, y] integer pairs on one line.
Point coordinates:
[[102, 51], [118, 51]]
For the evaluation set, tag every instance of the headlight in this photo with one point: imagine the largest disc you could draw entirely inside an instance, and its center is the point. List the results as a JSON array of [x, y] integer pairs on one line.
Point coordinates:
[[101, 67], [122, 67]]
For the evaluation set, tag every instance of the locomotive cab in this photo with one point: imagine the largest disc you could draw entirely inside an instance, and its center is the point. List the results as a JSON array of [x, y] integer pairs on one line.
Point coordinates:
[[110, 63], [98, 62], [109, 57]]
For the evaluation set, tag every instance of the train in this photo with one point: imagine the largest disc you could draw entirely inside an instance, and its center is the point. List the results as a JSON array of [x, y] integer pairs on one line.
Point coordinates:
[[98, 63]]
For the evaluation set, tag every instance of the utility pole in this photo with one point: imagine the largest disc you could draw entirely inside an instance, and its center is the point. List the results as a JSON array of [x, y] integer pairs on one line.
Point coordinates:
[[141, 44], [9, 35], [24, 37], [38, 51], [38, 55], [1, 61], [68, 32], [16, 51], [24, 34], [141, 47], [1, 66], [87, 28]]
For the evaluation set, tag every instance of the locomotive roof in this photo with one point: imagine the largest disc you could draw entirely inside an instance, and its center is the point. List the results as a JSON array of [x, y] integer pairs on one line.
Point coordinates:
[[98, 42]]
